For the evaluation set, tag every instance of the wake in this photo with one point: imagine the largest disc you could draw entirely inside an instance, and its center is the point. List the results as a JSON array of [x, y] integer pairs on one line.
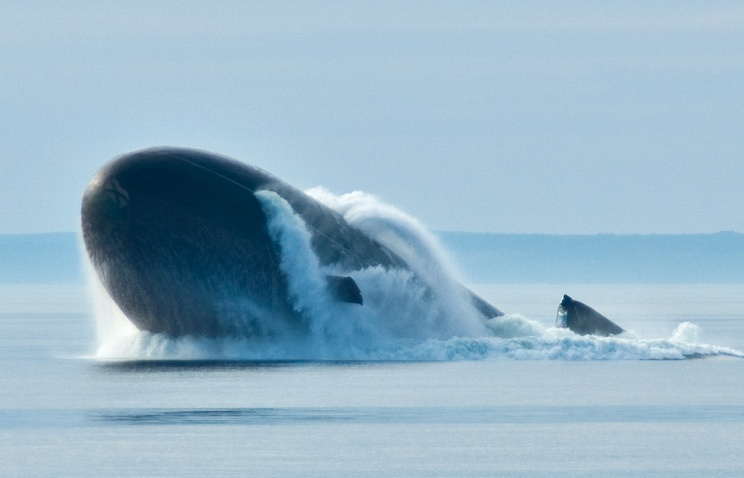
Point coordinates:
[[416, 316]]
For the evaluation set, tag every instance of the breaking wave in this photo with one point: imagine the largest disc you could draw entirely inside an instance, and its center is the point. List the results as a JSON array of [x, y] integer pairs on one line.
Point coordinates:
[[401, 318]]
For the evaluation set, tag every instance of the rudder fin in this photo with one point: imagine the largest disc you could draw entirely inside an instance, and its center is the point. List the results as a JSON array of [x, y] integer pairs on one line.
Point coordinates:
[[583, 320], [344, 289]]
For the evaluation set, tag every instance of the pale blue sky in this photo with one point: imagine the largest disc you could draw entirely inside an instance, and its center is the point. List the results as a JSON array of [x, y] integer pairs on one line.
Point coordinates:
[[554, 117]]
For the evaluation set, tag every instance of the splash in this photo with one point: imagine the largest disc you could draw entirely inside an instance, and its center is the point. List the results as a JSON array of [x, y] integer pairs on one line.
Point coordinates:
[[395, 229], [686, 332], [397, 307], [401, 318], [562, 344]]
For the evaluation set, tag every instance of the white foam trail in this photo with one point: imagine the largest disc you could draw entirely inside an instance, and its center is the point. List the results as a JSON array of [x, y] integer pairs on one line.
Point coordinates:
[[399, 320], [560, 346]]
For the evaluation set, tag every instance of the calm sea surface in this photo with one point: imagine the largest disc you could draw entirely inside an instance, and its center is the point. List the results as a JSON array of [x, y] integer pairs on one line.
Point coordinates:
[[65, 413]]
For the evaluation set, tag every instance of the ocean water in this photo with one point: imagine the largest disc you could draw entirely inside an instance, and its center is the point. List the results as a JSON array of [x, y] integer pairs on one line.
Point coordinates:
[[663, 400]]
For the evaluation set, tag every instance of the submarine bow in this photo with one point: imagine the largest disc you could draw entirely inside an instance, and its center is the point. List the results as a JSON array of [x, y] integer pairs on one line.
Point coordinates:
[[181, 241]]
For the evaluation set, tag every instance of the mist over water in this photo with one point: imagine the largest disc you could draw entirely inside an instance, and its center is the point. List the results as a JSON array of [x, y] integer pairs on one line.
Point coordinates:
[[422, 315]]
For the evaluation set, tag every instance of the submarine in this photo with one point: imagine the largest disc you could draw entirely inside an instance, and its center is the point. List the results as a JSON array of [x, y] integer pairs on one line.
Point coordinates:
[[180, 239], [175, 235]]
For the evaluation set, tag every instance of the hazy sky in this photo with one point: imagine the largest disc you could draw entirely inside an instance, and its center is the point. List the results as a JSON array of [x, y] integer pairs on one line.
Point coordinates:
[[555, 117]]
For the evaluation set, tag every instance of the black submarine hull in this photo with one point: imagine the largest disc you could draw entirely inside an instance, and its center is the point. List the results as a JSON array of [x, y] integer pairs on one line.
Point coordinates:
[[181, 243]]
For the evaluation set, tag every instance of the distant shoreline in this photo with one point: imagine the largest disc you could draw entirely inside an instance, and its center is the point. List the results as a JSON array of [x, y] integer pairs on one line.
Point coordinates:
[[600, 258], [47, 258]]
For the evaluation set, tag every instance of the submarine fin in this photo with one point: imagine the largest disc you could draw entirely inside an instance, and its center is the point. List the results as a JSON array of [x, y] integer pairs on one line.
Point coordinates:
[[583, 320], [344, 289]]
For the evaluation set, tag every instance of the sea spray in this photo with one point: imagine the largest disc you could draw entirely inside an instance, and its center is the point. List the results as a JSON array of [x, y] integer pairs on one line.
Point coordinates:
[[390, 226], [113, 328], [415, 244], [515, 325], [399, 305], [326, 324], [559, 344], [686, 332]]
